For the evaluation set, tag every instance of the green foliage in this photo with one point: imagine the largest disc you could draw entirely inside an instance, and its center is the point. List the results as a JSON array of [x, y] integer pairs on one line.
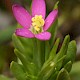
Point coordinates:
[[18, 71], [68, 66], [71, 52], [41, 61], [63, 75], [53, 30], [23, 45]]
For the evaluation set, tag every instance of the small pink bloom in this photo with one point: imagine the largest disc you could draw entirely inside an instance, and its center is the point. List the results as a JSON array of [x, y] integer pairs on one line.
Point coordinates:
[[34, 25]]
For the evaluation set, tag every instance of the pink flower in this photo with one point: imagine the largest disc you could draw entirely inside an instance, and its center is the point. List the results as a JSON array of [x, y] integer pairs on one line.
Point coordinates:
[[34, 25]]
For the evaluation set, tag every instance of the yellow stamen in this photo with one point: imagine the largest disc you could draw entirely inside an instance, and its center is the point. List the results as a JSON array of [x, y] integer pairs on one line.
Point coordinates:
[[38, 22], [37, 28]]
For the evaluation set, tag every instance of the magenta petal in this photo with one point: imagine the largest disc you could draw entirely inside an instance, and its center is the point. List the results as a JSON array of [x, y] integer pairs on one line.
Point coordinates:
[[24, 33], [38, 8], [22, 16], [50, 19], [43, 36]]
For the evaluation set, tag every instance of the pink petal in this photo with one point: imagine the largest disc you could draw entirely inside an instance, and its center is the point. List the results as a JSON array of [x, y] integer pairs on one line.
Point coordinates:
[[43, 36], [22, 16], [38, 8], [24, 33], [50, 19]]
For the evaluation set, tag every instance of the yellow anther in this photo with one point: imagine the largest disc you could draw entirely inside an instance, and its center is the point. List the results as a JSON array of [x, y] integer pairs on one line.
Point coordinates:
[[40, 16], [33, 19], [37, 22], [33, 24], [37, 28], [42, 22]]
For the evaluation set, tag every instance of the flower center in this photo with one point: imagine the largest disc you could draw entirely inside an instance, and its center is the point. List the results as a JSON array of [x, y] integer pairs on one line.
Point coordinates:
[[37, 24]]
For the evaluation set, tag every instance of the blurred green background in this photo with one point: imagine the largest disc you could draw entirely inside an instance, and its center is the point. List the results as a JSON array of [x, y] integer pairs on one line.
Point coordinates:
[[68, 23]]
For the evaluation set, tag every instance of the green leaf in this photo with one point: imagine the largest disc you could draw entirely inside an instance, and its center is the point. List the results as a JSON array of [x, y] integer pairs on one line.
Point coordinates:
[[28, 47], [59, 63], [17, 44], [17, 71], [46, 71], [61, 54], [53, 76], [47, 50], [71, 52], [53, 30], [68, 66], [49, 68], [56, 5], [21, 57], [54, 49], [52, 54], [29, 66], [63, 49], [22, 45], [63, 75], [57, 68]]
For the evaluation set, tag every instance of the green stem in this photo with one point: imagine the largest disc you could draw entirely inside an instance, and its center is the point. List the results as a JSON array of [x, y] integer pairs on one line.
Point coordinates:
[[38, 53], [47, 50], [40, 48], [34, 51]]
